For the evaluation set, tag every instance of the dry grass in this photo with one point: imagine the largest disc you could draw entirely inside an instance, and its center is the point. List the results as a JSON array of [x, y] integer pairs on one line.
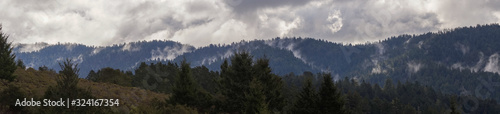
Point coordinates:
[[34, 84]]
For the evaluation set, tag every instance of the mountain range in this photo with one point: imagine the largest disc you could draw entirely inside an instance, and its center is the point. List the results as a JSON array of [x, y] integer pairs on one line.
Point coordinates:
[[473, 48], [460, 60]]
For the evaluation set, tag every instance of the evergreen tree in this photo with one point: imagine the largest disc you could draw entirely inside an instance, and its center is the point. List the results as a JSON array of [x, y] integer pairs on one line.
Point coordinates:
[[66, 87], [186, 91], [272, 84], [307, 101], [7, 63], [157, 77], [241, 65], [92, 76], [331, 101], [110, 75], [9, 97], [43, 68], [20, 64], [235, 80], [389, 88], [238, 83], [69, 76], [453, 106], [223, 85], [256, 101]]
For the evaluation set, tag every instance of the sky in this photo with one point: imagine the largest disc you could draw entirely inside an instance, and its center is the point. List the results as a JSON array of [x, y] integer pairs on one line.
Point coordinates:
[[203, 22]]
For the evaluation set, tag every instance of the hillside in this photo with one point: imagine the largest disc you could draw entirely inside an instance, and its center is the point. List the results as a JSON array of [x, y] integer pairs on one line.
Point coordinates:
[[471, 48], [453, 60], [33, 84]]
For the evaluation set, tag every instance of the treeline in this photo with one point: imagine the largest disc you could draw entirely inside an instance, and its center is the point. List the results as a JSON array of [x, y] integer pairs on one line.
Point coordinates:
[[245, 85], [398, 97], [242, 86]]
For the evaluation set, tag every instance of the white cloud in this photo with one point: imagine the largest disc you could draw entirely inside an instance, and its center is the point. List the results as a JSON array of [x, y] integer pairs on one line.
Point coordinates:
[[170, 52], [493, 64], [291, 46], [466, 12], [463, 48], [96, 50], [202, 22], [130, 47], [70, 46], [336, 20], [78, 59], [414, 67], [30, 47]]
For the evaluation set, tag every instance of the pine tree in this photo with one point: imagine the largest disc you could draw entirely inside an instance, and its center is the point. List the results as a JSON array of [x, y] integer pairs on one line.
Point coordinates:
[[223, 88], [186, 91], [20, 63], [307, 101], [235, 80], [69, 76], [110, 75], [241, 65], [92, 76], [453, 106], [237, 84], [389, 88], [43, 68], [256, 102], [66, 87], [7, 63], [272, 84], [9, 97], [331, 101]]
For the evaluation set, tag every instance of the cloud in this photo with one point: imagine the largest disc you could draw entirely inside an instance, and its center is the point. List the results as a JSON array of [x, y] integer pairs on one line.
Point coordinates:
[[376, 58], [291, 46], [463, 48], [204, 22], [30, 47], [414, 67], [220, 56], [130, 47], [170, 52], [247, 6], [466, 12], [70, 46], [78, 59], [208, 61], [492, 65], [96, 51]]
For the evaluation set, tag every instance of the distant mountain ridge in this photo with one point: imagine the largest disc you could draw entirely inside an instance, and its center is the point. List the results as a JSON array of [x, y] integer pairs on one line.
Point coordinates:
[[289, 54], [464, 61], [123, 56]]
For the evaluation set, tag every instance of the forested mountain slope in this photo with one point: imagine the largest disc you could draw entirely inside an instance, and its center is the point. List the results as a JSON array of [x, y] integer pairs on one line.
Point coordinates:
[[471, 48], [453, 60]]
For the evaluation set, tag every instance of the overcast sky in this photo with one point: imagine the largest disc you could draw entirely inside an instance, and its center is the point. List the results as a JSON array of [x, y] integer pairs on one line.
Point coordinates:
[[202, 22]]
